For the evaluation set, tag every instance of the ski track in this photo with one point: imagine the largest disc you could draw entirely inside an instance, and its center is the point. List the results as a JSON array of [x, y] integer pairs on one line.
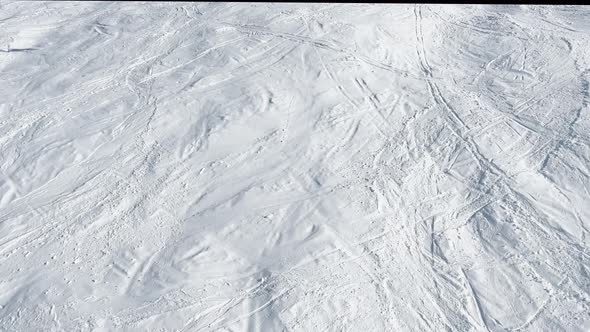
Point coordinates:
[[299, 167]]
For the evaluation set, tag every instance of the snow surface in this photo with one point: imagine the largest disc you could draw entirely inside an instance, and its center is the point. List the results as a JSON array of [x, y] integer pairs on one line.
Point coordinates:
[[300, 167]]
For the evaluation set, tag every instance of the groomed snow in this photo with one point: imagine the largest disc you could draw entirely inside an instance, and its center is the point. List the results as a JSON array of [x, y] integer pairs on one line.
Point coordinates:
[[294, 167]]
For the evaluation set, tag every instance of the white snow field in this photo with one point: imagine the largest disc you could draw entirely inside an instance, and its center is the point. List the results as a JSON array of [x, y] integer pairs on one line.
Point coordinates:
[[294, 167]]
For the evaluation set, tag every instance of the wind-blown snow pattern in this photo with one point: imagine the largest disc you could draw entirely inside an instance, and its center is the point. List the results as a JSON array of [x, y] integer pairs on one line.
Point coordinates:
[[294, 167]]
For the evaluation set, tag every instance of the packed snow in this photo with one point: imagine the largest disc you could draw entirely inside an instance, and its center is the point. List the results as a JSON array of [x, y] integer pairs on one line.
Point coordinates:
[[294, 167]]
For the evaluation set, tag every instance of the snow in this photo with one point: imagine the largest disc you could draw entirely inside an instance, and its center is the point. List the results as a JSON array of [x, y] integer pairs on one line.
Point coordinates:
[[301, 167]]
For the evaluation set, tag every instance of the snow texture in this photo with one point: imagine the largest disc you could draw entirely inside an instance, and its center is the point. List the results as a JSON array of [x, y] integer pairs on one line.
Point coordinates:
[[294, 167]]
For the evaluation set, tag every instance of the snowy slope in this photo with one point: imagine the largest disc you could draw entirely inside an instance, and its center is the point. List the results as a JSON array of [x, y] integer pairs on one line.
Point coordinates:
[[270, 167]]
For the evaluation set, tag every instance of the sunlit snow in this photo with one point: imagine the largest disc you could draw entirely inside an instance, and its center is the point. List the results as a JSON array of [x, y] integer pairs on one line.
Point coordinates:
[[294, 167]]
